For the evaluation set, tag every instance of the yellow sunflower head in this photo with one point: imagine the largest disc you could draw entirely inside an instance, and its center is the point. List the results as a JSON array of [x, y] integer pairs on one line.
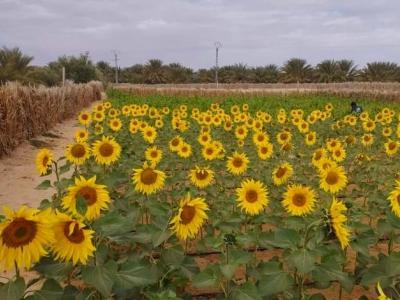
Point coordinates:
[[237, 163], [77, 153], [95, 197], [338, 219], [148, 180], [73, 242], [81, 135], [252, 196], [265, 151], [185, 150], [24, 236], [44, 160], [391, 147], [106, 151], [85, 118], [175, 143], [190, 217], [115, 124], [282, 173], [333, 179], [201, 177], [299, 200], [153, 154]]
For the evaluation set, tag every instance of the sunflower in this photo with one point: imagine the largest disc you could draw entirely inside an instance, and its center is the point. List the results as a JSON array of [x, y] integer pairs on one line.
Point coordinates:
[[394, 198], [149, 134], [115, 124], [241, 132], [317, 156], [367, 139], [325, 163], [387, 131], [368, 126], [338, 219], [175, 143], [391, 147], [265, 151], [95, 196], [252, 196], [283, 137], [153, 154], [190, 217], [24, 236], [260, 138], [333, 144], [237, 163], [282, 173], [339, 154], [106, 151], [310, 138], [77, 153], [43, 161], [148, 180], [210, 151], [381, 294], [201, 177], [185, 150], [333, 179], [84, 118], [299, 200], [81, 135], [73, 242], [98, 129], [98, 116]]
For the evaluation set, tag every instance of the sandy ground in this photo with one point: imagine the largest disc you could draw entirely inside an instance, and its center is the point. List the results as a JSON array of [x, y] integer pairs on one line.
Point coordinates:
[[18, 175]]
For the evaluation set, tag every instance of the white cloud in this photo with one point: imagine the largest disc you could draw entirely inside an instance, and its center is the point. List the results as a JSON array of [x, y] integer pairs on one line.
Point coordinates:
[[150, 24]]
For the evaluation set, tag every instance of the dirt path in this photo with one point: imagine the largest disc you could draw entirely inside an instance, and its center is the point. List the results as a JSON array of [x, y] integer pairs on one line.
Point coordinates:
[[18, 175]]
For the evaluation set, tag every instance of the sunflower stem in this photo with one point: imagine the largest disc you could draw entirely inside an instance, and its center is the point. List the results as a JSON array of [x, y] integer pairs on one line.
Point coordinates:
[[58, 180], [16, 269]]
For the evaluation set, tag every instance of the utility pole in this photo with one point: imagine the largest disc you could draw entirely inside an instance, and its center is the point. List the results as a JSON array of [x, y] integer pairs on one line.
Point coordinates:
[[217, 46], [116, 66], [63, 76]]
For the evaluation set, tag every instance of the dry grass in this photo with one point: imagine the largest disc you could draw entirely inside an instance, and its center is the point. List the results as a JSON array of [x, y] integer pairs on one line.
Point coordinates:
[[389, 91], [27, 111]]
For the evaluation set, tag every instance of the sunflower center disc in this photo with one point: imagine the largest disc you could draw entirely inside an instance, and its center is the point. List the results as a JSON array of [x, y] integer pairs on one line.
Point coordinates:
[[19, 232], [299, 200], [332, 178], [284, 136], [149, 133], [154, 154], [392, 145], [76, 236], [85, 117], [209, 151], [264, 150], [45, 160], [106, 149], [78, 151], [281, 172], [175, 142], [187, 214], [148, 176], [89, 194], [251, 196], [201, 175], [237, 162]]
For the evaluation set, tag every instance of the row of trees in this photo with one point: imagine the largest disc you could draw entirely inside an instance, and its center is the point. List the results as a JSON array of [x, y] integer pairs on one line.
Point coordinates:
[[14, 65]]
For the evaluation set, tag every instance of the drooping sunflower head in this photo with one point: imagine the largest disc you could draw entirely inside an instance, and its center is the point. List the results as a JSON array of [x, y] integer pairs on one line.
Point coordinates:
[[282, 173], [153, 154], [95, 197], [299, 200], [333, 179], [317, 156], [106, 151], [24, 236], [44, 160], [237, 163], [73, 242], [201, 177], [148, 180], [190, 217], [77, 153], [252, 196], [325, 164], [338, 219]]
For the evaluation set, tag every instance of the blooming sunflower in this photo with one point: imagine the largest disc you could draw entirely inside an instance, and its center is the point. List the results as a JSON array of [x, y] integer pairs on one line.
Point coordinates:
[[84, 118], [190, 217], [241, 132], [310, 138], [265, 151], [153, 154], [106, 151], [338, 219], [260, 138], [175, 143], [284, 137], [81, 135], [391, 147], [98, 129], [43, 161], [115, 124], [98, 116], [210, 151], [325, 163], [317, 156], [77, 153], [73, 242], [252, 196], [333, 144], [282, 173], [237, 163], [367, 139], [394, 198], [339, 154], [24, 236], [149, 134], [201, 177], [333, 179], [148, 180], [95, 196], [185, 150], [299, 200]]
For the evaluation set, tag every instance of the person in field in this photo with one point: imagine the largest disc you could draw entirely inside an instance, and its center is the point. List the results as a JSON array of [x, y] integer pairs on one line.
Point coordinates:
[[357, 109]]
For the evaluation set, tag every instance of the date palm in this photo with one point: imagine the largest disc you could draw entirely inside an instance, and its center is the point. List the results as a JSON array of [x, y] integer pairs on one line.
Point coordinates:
[[381, 71], [14, 65], [327, 71], [347, 70], [297, 70], [154, 72], [267, 74]]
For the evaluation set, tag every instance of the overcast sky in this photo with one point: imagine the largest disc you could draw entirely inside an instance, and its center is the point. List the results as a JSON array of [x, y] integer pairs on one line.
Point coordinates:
[[253, 32]]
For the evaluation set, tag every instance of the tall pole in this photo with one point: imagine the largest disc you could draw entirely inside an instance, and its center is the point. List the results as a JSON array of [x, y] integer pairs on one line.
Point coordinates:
[[63, 76], [217, 46], [116, 66]]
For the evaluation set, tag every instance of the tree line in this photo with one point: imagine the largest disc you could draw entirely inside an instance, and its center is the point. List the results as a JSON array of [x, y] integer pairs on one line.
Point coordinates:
[[16, 66]]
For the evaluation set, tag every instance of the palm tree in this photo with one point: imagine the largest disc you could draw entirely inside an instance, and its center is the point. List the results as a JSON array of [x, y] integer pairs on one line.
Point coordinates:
[[327, 71], [267, 74], [347, 70], [154, 72], [297, 70], [14, 65], [381, 71], [176, 73]]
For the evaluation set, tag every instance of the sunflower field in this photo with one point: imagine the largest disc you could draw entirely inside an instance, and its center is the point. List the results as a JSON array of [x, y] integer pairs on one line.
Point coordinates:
[[162, 197]]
